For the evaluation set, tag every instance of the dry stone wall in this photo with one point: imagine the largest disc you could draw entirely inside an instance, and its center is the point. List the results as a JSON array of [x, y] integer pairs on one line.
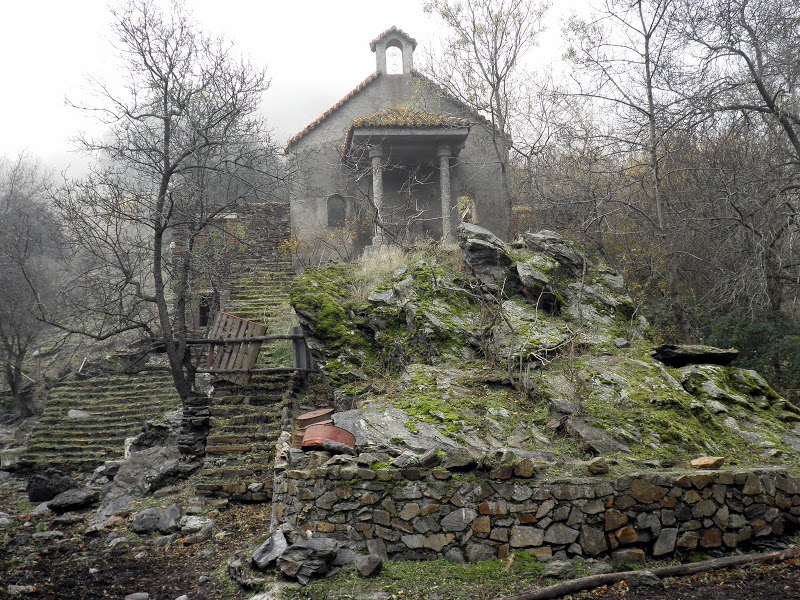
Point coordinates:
[[422, 513]]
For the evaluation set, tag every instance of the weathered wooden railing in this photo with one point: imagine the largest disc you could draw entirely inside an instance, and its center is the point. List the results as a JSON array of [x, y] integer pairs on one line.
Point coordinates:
[[235, 343]]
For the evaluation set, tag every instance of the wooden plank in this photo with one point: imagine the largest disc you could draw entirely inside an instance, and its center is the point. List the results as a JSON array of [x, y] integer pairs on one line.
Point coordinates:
[[231, 349], [230, 329], [251, 356], [214, 334]]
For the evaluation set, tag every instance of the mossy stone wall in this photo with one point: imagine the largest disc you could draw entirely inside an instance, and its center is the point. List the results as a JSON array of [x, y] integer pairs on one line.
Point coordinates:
[[422, 513]]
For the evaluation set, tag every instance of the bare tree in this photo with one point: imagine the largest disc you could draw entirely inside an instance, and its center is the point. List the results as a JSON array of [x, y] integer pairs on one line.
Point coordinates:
[[28, 250], [483, 63], [185, 145], [746, 83], [630, 52]]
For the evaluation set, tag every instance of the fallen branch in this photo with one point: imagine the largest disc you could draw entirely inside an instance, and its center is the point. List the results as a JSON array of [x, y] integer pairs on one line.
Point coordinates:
[[593, 581]]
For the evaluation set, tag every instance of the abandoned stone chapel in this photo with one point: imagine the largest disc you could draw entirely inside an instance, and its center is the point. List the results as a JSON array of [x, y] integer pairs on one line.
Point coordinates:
[[396, 160]]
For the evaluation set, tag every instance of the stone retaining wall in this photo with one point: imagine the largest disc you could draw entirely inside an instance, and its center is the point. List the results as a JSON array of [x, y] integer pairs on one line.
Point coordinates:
[[427, 513]]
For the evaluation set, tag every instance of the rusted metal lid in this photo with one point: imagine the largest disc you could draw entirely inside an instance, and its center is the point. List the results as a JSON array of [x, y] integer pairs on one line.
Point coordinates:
[[316, 435], [314, 416]]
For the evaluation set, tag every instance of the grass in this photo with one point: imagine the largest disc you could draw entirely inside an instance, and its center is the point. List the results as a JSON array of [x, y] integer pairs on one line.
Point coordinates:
[[418, 580]]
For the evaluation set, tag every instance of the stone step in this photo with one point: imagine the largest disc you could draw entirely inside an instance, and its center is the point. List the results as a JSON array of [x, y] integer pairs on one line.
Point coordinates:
[[225, 449], [88, 428], [244, 428], [223, 439], [118, 397], [256, 400], [249, 414]]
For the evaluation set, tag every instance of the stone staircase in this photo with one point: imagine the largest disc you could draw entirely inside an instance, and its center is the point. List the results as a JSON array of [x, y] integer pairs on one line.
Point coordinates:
[[261, 294], [246, 420], [112, 408], [240, 450]]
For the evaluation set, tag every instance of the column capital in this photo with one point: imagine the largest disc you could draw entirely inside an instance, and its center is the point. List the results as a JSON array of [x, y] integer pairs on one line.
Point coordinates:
[[376, 152], [443, 151]]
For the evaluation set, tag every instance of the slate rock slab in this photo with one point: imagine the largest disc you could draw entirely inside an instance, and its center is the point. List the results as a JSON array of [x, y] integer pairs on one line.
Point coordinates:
[[169, 521], [268, 552], [146, 521], [308, 559], [75, 499], [459, 519], [485, 254], [674, 355]]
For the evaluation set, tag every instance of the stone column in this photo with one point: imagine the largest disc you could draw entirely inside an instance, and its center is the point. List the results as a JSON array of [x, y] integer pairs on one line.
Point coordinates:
[[376, 155], [444, 181]]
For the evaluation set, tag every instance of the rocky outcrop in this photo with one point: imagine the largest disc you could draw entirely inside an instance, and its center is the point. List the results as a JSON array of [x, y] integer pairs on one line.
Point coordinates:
[[486, 255], [524, 348]]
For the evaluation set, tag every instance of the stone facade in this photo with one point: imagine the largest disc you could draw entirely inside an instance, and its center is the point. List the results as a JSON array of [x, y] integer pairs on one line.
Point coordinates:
[[405, 173], [422, 513]]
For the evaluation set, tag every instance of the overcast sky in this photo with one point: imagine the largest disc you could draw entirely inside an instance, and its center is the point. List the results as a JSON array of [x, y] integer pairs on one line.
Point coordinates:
[[315, 52]]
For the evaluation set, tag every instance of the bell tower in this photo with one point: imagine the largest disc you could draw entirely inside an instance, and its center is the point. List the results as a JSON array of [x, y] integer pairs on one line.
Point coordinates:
[[394, 52]]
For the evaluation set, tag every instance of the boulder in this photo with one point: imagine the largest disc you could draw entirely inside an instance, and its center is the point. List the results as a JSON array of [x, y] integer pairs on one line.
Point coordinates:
[[146, 521], [148, 470], [536, 287], [674, 355], [559, 569], [308, 559], [153, 435], [190, 524], [9, 458], [456, 458], [268, 552], [378, 548], [559, 249], [114, 507], [369, 565], [169, 520], [644, 579], [74, 499], [338, 448], [485, 254], [598, 466], [459, 519], [48, 485]]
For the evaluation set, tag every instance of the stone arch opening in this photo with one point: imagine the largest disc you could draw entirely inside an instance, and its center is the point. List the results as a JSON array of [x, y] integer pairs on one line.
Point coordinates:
[[394, 60]]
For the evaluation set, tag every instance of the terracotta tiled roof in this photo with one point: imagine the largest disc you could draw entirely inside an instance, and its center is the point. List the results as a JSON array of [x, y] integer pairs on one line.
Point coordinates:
[[392, 29], [329, 112], [402, 116]]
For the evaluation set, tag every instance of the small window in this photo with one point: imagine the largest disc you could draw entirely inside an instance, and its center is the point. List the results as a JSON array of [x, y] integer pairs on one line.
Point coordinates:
[[394, 61], [336, 211]]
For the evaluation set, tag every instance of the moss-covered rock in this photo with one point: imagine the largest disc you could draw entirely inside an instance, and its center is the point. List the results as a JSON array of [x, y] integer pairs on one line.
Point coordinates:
[[429, 352]]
